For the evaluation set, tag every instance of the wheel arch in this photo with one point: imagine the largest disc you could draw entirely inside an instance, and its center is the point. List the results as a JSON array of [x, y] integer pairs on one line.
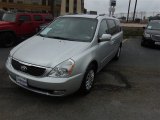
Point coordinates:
[[94, 62], [10, 31]]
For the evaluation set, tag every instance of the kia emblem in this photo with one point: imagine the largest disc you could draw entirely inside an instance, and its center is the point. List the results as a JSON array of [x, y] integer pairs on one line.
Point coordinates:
[[23, 68]]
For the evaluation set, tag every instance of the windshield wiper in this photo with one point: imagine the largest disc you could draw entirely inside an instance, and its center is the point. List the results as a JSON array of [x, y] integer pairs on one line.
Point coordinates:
[[61, 38], [56, 37], [42, 35], [52, 37]]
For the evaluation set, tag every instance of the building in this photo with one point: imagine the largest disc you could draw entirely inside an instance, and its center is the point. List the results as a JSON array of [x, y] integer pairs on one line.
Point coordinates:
[[45, 6], [56, 7], [26, 5], [72, 6]]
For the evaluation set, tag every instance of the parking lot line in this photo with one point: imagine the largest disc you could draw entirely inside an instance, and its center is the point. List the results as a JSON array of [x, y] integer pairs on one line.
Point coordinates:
[[124, 40]]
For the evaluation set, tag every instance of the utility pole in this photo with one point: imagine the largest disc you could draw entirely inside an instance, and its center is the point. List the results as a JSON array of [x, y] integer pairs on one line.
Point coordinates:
[[134, 10], [128, 10]]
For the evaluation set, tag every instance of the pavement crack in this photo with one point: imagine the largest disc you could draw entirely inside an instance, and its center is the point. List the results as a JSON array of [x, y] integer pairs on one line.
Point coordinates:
[[111, 81]]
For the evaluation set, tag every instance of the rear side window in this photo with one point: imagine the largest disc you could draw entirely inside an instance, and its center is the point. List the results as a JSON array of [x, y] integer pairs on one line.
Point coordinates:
[[103, 28], [37, 18], [25, 18], [118, 27], [112, 27]]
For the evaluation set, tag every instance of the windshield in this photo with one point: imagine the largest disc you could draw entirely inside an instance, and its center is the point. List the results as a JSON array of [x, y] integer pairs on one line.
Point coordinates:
[[8, 17], [73, 29], [154, 25]]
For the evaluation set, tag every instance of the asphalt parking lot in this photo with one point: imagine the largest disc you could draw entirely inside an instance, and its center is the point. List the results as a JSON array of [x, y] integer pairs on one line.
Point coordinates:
[[127, 89]]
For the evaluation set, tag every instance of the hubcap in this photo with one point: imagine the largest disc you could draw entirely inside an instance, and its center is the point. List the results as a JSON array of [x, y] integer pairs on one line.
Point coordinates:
[[89, 79]]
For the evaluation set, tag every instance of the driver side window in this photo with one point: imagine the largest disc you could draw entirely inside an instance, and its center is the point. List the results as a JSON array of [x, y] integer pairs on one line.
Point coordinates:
[[25, 18], [103, 28]]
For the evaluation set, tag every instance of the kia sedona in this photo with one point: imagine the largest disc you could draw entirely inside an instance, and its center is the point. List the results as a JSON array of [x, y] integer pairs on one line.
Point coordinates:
[[65, 56]]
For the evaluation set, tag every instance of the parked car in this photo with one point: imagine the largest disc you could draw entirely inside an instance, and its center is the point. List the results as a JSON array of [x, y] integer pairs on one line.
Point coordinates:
[[15, 26], [151, 34], [66, 55], [1, 14]]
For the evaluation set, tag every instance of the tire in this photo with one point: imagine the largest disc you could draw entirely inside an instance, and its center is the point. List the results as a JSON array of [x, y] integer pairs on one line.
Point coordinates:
[[151, 44], [146, 43], [88, 80], [8, 39], [117, 56]]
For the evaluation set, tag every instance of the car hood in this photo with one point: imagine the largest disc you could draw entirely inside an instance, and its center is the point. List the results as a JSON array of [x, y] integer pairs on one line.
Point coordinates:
[[153, 32], [47, 52], [4, 23]]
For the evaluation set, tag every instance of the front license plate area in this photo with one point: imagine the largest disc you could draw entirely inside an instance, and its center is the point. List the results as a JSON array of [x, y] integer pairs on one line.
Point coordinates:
[[157, 43], [21, 81]]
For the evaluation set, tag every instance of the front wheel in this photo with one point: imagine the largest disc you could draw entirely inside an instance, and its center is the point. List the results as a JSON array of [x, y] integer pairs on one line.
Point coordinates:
[[147, 43], [8, 39], [143, 43], [88, 80]]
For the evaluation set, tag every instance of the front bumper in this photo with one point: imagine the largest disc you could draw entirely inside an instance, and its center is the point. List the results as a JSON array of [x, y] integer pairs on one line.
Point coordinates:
[[151, 40], [46, 85]]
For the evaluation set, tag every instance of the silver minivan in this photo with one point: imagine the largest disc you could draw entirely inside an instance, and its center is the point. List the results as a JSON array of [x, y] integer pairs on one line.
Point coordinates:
[[65, 56]]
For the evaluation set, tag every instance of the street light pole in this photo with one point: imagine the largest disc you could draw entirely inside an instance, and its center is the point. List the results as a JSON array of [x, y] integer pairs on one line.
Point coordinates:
[[128, 10], [135, 10]]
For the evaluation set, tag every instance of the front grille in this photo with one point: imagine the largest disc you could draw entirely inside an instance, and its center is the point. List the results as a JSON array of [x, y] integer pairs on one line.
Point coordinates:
[[156, 37], [31, 70]]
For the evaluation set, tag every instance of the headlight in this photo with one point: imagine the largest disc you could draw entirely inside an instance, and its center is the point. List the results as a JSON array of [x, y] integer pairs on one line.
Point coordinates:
[[146, 35], [8, 62], [63, 70]]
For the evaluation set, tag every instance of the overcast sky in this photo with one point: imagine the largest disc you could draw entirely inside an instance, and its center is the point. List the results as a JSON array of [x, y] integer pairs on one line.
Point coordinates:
[[102, 6]]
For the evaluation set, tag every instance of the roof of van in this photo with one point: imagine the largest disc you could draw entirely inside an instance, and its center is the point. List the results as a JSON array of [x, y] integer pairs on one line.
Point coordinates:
[[88, 16]]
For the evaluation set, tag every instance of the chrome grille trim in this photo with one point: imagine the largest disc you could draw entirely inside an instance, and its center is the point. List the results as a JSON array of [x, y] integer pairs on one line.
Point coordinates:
[[46, 71], [156, 37]]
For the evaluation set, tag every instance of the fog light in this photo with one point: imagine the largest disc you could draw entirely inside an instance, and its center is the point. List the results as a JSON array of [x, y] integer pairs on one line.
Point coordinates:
[[59, 92]]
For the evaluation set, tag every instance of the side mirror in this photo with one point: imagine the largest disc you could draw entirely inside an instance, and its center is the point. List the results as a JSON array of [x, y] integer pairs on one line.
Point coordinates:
[[144, 27], [105, 37]]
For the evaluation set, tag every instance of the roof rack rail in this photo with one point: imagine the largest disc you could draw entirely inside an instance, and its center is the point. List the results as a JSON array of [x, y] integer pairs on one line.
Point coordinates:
[[74, 14], [101, 15]]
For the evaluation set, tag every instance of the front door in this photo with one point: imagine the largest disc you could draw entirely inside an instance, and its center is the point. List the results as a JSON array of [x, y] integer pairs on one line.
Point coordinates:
[[104, 48], [116, 35], [25, 25]]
